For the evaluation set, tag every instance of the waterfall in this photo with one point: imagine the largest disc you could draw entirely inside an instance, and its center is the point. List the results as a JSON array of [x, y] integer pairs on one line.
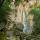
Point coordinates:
[[25, 23]]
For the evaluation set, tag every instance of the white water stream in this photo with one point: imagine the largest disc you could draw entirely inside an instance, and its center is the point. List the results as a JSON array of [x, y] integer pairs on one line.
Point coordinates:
[[25, 23]]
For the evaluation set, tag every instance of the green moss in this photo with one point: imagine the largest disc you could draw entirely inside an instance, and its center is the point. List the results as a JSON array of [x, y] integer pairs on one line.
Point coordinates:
[[2, 36]]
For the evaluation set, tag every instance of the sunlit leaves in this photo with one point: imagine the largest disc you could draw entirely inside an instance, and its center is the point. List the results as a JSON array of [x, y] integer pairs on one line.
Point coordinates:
[[5, 5]]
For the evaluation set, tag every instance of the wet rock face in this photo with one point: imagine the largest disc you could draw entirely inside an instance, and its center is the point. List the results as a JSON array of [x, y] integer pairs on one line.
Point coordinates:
[[20, 26], [27, 0]]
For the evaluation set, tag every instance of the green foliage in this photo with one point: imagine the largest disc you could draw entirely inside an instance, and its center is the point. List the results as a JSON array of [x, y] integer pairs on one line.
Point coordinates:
[[3, 10], [3, 17], [17, 2], [36, 12], [5, 5]]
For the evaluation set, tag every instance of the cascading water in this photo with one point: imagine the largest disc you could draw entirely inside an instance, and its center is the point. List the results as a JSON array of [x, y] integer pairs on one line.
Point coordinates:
[[25, 23]]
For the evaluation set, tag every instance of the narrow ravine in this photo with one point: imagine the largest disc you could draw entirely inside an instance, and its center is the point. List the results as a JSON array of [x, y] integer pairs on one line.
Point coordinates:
[[22, 13]]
